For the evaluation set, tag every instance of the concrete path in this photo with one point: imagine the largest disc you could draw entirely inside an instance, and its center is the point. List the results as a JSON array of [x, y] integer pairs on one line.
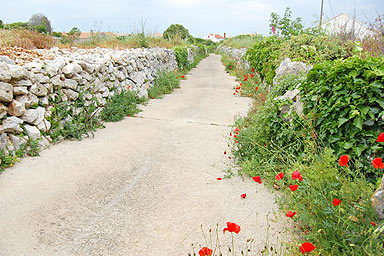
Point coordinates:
[[142, 186]]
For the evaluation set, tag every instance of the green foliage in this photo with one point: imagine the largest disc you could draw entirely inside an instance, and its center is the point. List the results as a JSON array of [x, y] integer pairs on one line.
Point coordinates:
[[164, 83], [18, 25], [345, 100], [1, 24], [181, 54], [74, 32], [72, 121], [120, 105], [242, 41], [57, 34], [286, 27], [262, 57], [285, 83], [41, 22], [176, 31]]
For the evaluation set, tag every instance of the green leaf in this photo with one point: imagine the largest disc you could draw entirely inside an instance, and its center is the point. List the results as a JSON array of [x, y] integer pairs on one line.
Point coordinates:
[[358, 150], [342, 120], [347, 145], [358, 122]]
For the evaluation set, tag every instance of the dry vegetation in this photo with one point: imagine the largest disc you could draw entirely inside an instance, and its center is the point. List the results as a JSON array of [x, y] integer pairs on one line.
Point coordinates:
[[25, 39]]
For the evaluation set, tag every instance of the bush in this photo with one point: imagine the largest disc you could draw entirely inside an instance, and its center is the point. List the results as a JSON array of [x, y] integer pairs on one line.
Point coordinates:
[[285, 83], [181, 54], [176, 31], [344, 99], [120, 105]]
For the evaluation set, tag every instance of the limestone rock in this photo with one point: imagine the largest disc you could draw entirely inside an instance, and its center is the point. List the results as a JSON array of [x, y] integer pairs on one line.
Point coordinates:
[[39, 90], [20, 90], [72, 95], [32, 132], [7, 60], [3, 110], [16, 108], [23, 82], [4, 73], [17, 72], [29, 99], [16, 141], [378, 200], [291, 67], [54, 66], [6, 92], [40, 115], [70, 84], [12, 124], [41, 78], [30, 115], [71, 69], [44, 125], [56, 81]]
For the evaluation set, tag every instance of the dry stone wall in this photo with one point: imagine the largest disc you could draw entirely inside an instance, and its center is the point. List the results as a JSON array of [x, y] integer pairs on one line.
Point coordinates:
[[28, 90]]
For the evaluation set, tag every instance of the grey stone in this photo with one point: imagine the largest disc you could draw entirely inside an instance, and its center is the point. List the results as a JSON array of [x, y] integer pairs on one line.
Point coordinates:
[[32, 132], [7, 60], [40, 115], [12, 124], [44, 100], [3, 110], [29, 99], [39, 90], [41, 78], [378, 200], [72, 95], [71, 69], [56, 81], [4, 73], [138, 77], [30, 115], [298, 106], [54, 66], [20, 90], [44, 142], [23, 82], [16, 108], [70, 84], [6, 92], [44, 125], [291, 95], [16, 141], [17, 72]]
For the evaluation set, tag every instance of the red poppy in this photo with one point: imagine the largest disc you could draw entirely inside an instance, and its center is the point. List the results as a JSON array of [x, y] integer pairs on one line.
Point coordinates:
[[128, 115], [257, 88], [177, 77], [232, 227], [205, 251], [234, 93], [296, 175], [225, 152], [237, 130], [290, 214], [300, 178], [381, 137], [307, 247], [279, 176], [243, 195], [336, 202], [253, 70], [258, 72], [230, 67], [257, 179], [182, 76], [378, 163], [373, 223], [219, 178], [343, 161], [293, 187]]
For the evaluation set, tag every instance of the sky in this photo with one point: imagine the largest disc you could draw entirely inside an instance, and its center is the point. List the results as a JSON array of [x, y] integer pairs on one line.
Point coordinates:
[[200, 17]]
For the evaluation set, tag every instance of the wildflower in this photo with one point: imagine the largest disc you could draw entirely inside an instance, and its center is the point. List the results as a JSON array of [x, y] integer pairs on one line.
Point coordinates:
[[205, 251], [219, 178], [293, 187], [182, 77], [243, 195], [295, 175], [128, 115], [307, 247], [225, 152], [177, 77], [373, 223], [232, 227], [253, 70], [290, 214], [343, 161], [381, 137], [378, 163], [336, 202], [273, 30], [257, 179], [279, 176], [300, 178]]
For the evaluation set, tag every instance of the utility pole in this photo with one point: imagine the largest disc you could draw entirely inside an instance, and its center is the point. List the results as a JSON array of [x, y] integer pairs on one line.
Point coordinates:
[[321, 12]]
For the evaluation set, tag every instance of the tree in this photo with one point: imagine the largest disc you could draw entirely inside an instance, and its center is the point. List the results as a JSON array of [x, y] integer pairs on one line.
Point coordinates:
[[176, 31], [41, 23], [285, 26], [1, 24]]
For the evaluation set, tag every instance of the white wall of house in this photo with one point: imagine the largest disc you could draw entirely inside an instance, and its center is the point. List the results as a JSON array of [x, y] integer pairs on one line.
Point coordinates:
[[212, 38], [344, 23]]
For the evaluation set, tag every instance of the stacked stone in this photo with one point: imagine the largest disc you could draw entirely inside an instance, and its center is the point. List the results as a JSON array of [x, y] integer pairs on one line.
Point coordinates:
[[27, 90], [235, 53]]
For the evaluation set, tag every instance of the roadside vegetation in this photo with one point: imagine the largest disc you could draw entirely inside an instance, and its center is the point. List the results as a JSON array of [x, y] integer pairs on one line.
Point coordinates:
[[327, 161]]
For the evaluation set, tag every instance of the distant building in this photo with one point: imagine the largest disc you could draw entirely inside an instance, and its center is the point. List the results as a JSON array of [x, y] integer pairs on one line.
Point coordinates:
[[345, 24], [214, 37]]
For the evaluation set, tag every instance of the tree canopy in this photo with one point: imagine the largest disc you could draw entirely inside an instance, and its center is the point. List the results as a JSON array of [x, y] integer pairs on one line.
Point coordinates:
[[176, 31]]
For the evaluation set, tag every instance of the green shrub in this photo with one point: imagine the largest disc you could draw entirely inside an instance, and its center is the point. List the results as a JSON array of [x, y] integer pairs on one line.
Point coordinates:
[[120, 105], [344, 98], [285, 83], [164, 83], [176, 31], [181, 54]]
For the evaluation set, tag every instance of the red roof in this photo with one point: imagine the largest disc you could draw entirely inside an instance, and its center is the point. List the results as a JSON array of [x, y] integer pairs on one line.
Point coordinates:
[[218, 36]]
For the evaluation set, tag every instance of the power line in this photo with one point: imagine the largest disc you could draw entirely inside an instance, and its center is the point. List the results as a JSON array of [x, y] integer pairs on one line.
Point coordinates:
[[330, 6]]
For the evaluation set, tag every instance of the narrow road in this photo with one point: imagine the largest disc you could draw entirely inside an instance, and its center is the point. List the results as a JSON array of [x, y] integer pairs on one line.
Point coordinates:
[[142, 186]]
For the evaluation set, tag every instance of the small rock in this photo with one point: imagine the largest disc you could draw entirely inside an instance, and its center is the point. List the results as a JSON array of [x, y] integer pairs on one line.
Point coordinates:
[[72, 95], [44, 125], [16, 108], [3, 110], [32, 132], [17, 72], [12, 124], [70, 84], [56, 81], [6, 92], [378, 200], [54, 66], [20, 90], [39, 90], [30, 115], [7, 60], [23, 82], [4, 73], [41, 78], [71, 69], [16, 141]]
